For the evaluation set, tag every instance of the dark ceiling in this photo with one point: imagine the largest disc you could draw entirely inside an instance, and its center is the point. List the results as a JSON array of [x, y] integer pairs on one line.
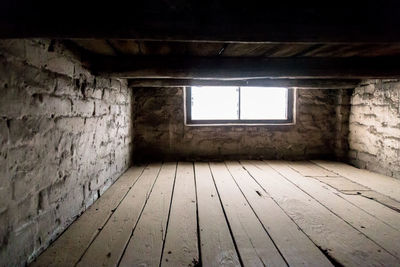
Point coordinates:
[[182, 42]]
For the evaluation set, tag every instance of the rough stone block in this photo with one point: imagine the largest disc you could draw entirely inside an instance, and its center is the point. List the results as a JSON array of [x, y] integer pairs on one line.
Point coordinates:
[[82, 108]]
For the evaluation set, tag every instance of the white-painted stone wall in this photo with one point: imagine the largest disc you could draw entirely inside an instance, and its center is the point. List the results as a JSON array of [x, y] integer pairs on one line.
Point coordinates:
[[65, 137], [374, 136]]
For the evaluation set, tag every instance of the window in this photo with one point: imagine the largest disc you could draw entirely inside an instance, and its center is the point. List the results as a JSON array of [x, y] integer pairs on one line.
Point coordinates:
[[238, 105]]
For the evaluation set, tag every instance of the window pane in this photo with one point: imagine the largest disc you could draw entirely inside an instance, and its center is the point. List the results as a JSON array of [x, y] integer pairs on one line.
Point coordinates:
[[263, 103], [215, 103]]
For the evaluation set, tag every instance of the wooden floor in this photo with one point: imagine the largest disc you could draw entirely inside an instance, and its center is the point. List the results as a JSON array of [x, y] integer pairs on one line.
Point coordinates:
[[249, 213]]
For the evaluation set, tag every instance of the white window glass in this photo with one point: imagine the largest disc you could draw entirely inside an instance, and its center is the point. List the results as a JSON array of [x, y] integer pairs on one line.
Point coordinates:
[[263, 103], [215, 103]]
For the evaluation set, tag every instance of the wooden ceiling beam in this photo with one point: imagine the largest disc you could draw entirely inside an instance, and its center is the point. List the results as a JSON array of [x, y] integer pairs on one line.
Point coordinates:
[[288, 83], [208, 20], [224, 68]]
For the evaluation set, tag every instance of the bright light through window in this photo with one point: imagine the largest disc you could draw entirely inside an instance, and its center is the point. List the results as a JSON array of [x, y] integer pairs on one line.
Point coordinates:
[[263, 103], [211, 103], [239, 104]]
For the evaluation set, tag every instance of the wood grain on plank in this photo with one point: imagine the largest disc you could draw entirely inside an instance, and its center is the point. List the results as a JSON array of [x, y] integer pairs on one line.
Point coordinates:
[[378, 197], [145, 246], [349, 187], [295, 246], [254, 245], [384, 235], [378, 182], [107, 248], [71, 245], [341, 183], [217, 248], [376, 209], [307, 168], [333, 235], [180, 248]]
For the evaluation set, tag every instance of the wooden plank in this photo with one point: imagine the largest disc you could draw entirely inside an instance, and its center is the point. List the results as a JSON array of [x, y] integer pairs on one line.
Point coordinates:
[[204, 48], [254, 245], [334, 236], [377, 182], [341, 184], [96, 46], [245, 68], [376, 209], [378, 197], [288, 83], [289, 50], [384, 235], [107, 248], [226, 68], [145, 246], [307, 168], [71, 245], [126, 47], [180, 248], [219, 21], [243, 49], [295, 246], [349, 187], [217, 248]]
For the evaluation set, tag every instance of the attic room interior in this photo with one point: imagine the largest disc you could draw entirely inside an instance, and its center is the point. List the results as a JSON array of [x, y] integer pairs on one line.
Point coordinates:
[[208, 133]]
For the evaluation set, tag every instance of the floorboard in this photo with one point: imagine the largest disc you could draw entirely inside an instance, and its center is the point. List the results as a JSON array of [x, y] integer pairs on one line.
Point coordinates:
[[145, 246], [70, 246], [382, 234], [335, 237], [307, 168], [237, 213], [383, 213], [255, 246], [378, 182], [294, 245], [107, 248], [181, 244], [217, 247]]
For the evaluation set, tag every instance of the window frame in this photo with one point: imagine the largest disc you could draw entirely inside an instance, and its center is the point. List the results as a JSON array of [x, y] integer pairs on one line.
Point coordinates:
[[291, 103]]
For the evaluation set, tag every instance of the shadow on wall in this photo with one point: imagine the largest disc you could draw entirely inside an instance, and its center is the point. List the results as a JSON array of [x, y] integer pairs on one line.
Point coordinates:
[[160, 132]]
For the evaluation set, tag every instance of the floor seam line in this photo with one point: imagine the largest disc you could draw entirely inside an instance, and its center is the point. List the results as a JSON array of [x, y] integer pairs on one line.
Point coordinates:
[[169, 213], [226, 217], [140, 215], [97, 234], [336, 214]]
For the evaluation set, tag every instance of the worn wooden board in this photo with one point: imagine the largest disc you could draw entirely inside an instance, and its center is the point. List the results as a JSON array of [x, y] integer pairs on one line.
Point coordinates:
[[254, 245], [109, 245], [307, 168], [145, 246], [378, 197], [217, 248], [334, 236], [125, 47], [295, 246], [70, 246], [378, 182], [341, 183], [180, 248], [101, 47], [381, 212], [384, 235]]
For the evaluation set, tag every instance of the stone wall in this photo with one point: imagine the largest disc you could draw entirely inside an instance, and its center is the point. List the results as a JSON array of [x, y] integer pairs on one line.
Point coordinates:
[[65, 137], [375, 127], [160, 132], [343, 106]]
